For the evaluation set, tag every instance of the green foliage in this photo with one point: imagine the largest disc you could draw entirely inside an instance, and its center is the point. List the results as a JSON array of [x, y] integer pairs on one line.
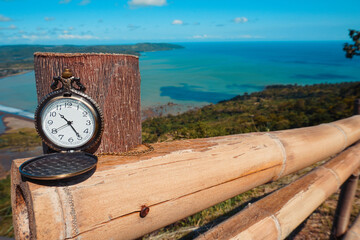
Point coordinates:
[[20, 139], [277, 107], [6, 228]]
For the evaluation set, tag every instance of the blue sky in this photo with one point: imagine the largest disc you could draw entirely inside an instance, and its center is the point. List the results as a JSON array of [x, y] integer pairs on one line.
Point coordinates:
[[133, 21]]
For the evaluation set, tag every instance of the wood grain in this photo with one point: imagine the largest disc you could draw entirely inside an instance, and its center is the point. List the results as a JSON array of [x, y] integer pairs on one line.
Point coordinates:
[[277, 215], [178, 179], [354, 232], [112, 80]]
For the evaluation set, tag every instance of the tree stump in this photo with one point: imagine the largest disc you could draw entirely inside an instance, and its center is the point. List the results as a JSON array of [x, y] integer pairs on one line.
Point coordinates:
[[112, 80]]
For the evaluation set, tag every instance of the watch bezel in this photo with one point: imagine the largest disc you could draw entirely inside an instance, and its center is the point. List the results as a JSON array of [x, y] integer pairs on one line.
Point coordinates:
[[79, 96]]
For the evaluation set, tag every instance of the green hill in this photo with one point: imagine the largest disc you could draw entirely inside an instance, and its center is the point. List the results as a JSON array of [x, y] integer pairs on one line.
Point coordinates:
[[17, 58], [275, 108]]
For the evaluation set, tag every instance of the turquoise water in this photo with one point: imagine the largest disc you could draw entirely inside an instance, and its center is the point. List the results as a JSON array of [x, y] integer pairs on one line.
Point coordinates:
[[208, 72], [204, 73]]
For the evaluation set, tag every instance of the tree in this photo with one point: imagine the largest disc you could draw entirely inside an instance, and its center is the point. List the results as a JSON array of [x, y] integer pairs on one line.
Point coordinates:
[[353, 49]]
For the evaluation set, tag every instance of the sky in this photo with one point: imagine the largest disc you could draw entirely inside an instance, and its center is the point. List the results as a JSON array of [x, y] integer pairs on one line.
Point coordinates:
[[133, 21]]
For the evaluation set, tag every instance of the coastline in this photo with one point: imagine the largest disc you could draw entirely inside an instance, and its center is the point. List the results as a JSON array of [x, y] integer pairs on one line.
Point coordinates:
[[13, 122], [15, 74]]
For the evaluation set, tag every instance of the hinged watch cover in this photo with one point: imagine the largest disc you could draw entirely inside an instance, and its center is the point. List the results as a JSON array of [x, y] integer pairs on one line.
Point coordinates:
[[69, 122]]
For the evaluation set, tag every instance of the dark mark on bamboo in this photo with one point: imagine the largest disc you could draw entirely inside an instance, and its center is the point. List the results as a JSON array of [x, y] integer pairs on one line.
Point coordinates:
[[144, 211]]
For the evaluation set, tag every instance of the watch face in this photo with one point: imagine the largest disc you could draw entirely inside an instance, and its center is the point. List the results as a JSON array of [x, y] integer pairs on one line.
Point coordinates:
[[67, 123]]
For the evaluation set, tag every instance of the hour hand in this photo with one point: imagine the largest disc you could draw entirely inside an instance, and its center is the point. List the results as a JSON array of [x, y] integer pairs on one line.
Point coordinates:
[[62, 116]]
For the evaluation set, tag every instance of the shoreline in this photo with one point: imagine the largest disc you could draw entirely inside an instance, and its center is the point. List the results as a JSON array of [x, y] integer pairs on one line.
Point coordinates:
[[15, 74], [13, 122]]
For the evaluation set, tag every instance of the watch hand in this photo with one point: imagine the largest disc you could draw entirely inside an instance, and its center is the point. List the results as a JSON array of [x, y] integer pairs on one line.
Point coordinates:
[[77, 134], [62, 127], [62, 116], [70, 124]]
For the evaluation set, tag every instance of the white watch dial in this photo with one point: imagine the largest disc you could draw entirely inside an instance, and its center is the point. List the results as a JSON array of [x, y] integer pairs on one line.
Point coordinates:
[[67, 122]]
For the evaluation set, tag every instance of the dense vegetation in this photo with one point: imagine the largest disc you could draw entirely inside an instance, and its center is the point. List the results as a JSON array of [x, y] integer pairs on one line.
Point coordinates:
[[17, 58], [275, 108], [20, 139], [6, 228]]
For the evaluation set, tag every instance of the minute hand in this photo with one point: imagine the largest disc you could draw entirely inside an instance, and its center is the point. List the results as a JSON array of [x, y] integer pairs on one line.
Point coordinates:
[[77, 134], [70, 124]]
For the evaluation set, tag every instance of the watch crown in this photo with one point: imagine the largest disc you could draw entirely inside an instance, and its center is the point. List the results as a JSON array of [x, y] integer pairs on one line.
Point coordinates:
[[67, 73]]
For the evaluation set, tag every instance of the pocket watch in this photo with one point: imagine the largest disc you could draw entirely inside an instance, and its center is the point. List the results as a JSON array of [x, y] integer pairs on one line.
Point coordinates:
[[69, 122]]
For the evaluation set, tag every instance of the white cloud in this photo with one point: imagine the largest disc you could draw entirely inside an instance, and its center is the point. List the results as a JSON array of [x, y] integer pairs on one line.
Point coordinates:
[[71, 36], [246, 36], [64, 1], [11, 27], [240, 20], [84, 2], [200, 36], [4, 19], [177, 22], [147, 3], [205, 36], [251, 36], [49, 19], [133, 27], [34, 37]]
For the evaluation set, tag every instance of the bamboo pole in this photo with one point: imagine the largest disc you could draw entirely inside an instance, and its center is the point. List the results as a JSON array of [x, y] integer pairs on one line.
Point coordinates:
[[346, 197], [178, 179], [344, 207], [354, 232], [112, 80], [277, 215]]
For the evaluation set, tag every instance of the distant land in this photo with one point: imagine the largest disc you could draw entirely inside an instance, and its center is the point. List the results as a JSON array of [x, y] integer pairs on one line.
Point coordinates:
[[16, 59]]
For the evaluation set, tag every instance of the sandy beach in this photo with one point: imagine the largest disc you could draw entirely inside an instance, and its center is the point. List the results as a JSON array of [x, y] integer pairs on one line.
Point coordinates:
[[13, 122], [7, 155], [14, 74]]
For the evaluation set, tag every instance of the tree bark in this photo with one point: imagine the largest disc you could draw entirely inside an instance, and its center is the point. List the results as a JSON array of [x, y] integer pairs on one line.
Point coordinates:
[[174, 181], [112, 80]]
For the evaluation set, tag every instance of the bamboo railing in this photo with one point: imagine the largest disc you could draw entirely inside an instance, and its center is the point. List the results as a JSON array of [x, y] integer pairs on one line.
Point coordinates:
[[129, 196], [277, 215], [354, 232]]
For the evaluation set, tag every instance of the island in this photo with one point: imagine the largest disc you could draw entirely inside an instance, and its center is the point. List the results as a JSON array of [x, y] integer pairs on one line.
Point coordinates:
[[17, 59]]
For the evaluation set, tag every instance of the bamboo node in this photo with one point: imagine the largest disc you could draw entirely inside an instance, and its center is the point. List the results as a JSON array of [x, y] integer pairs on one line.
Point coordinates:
[[278, 226], [281, 145], [342, 131], [335, 175]]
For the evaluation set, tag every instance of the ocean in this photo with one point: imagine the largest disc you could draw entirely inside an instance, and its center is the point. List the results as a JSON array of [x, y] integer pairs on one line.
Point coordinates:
[[204, 73]]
